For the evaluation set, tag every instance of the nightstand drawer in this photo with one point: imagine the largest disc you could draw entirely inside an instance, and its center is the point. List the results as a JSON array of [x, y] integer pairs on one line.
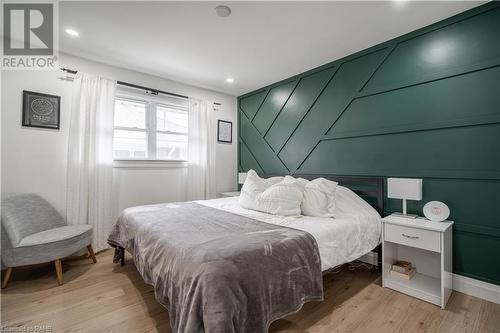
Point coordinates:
[[420, 238]]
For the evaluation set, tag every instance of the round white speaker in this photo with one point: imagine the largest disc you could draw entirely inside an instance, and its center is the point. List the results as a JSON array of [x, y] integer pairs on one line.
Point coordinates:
[[436, 211]]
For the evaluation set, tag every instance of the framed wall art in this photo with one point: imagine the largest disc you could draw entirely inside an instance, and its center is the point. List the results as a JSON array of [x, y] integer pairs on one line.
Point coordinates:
[[41, 110], [224, 131]]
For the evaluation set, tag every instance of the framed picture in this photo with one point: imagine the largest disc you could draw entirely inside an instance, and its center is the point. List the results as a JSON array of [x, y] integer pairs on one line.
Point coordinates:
[[224, 131], [41, 110]]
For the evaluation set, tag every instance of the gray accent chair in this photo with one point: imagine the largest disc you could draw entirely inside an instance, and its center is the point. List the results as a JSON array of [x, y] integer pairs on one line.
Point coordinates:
[[33, 232]]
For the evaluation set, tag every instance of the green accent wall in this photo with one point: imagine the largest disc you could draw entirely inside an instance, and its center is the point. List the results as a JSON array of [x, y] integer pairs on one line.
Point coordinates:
[[426, 105]]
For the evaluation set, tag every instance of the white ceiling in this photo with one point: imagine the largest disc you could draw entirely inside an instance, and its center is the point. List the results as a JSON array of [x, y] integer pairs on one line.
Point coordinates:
[[260, 43]]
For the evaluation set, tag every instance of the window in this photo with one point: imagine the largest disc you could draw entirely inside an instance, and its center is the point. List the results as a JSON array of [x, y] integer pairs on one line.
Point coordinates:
[[149, 127]]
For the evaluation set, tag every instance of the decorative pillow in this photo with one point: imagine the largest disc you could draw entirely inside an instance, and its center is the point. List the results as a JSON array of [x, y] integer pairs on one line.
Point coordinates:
[[272, 195], [273, 180], [298, 181], [348, 203], [319, 198]]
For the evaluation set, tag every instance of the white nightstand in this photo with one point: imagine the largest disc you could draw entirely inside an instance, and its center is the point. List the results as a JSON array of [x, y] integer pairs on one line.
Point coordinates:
[[428, 246], [230, 194]]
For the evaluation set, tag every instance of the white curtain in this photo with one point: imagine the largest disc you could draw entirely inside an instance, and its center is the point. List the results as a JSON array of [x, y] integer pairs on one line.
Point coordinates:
[[90, 156], [201, 151]]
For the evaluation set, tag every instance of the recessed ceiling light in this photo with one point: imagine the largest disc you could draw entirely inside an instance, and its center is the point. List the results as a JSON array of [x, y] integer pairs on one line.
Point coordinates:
[[72, 32], [223, 11], [229, 80]]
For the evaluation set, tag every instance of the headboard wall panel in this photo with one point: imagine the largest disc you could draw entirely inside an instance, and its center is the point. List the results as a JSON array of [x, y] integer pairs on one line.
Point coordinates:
[[426, 104]]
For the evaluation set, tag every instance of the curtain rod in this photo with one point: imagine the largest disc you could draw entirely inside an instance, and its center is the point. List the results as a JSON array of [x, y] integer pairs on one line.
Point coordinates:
[[152, 91]]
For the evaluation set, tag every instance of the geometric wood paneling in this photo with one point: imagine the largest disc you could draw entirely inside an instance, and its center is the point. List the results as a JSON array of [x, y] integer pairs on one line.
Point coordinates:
[[261, 151], [405, 110], [272, 105], [426, 104], [247, 161], [468, 42], [470, 152], [330, 104], [251, 105], [299, 102], [476, 255]]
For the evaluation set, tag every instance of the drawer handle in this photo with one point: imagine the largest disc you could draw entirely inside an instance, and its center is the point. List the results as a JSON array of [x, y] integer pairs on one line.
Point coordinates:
[[410, 237]]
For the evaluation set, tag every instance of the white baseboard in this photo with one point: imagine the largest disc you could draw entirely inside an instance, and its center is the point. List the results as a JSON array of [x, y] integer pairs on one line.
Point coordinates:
[[476, 288], [463, 284]]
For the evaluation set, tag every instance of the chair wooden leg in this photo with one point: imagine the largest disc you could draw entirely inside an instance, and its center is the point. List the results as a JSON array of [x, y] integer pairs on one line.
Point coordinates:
[[91, 253], [6, 278], [59, 273]]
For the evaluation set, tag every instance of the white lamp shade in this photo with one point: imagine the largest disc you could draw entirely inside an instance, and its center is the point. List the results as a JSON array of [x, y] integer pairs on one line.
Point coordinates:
[[242, 176], [404, 188]]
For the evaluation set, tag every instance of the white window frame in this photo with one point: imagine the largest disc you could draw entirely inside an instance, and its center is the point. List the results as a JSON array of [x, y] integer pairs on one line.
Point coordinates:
[[151, 102]]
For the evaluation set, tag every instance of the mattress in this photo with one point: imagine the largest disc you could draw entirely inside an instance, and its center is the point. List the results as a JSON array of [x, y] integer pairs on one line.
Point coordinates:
[[353, 233]]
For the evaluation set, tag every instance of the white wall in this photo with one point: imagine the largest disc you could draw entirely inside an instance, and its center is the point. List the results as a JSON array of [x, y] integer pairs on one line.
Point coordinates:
[[34, 160]]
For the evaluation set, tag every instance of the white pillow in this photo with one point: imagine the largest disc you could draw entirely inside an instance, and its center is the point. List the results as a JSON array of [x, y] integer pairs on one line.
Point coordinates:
[[298, 181], [270, 195], [272, 180], [348, 204], [319, 198], [254, 184]]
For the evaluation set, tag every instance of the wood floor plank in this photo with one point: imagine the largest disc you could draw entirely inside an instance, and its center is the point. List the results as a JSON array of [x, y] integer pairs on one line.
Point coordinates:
[[106, 297]]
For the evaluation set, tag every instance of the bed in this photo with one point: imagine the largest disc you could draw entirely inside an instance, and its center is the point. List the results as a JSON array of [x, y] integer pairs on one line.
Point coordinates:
[[218, 267]]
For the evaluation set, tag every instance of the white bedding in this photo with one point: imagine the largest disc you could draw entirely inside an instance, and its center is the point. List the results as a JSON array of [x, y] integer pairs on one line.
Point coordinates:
[[354, 231]]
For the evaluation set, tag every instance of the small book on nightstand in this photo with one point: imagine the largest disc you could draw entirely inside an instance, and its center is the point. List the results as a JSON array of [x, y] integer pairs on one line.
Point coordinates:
[[403, 270]]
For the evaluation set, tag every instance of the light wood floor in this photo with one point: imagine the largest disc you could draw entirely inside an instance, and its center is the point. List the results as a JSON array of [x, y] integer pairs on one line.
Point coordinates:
[[105, 297]]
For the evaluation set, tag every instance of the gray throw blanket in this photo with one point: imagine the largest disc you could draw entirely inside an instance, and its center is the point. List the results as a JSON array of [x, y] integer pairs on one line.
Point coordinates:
[[220, 272]]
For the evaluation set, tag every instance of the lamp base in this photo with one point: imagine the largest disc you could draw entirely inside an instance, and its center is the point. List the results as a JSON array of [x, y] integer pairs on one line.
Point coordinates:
[[408, 216]]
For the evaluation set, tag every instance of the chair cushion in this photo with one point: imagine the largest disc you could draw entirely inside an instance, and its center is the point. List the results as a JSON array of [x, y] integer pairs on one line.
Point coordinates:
[[55, 235], [26, 214], [47, 245]]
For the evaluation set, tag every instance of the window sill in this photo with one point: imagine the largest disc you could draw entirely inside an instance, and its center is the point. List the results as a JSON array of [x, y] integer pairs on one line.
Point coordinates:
[[149, 164]]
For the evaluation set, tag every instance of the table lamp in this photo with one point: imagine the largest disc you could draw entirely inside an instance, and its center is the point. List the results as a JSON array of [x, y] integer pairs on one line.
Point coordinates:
[[406, 189]]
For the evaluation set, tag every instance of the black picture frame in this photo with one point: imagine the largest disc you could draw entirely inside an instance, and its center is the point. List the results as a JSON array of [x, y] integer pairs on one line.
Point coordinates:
[[224, 139], [41, 110]]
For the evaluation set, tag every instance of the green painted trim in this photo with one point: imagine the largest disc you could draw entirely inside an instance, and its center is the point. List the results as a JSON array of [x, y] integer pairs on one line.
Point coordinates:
[[477, 229]]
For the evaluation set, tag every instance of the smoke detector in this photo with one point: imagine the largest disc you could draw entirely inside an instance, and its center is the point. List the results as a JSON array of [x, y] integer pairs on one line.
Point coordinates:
[[223, 11]]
